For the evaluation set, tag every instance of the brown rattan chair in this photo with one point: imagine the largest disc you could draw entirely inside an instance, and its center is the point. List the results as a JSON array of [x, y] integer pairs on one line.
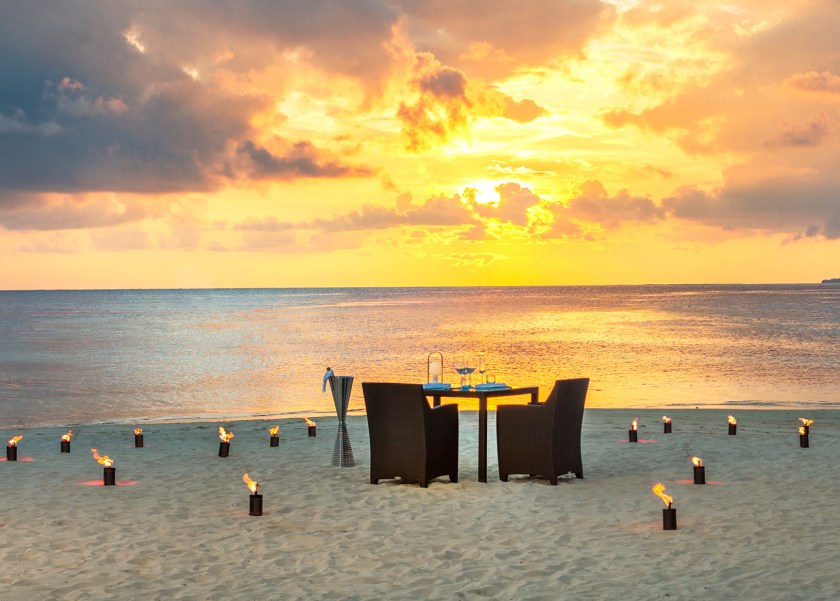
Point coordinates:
[[409, 439], [543, 439]]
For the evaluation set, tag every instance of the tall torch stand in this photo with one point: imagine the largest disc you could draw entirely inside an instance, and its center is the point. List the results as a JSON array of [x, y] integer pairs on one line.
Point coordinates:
[[342, 451]]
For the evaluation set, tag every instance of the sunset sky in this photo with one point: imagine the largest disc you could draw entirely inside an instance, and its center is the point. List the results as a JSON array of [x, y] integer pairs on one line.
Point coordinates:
[[278, 143]]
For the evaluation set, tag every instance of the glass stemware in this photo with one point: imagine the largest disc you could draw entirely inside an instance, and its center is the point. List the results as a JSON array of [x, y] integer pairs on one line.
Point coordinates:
[[462, 366], [482, 366]]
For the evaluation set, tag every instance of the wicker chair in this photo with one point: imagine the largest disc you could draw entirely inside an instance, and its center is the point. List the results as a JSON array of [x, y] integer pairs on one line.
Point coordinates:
[[543, 439], [409, 439]]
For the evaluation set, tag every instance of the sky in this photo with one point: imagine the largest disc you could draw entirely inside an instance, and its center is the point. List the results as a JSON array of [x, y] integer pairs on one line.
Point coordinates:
[[279, 143]]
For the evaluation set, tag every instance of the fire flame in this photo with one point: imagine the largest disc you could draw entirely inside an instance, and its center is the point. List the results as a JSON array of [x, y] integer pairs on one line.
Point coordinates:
[[224, 435], [731, 420], [273, 431], [309, 422], [106, 461], [635, 423], [666, 419], [802, 430], [138, 431], [252, 486], [697, 462], [68, 436], [13, 442], [659, 491], [807, 422]]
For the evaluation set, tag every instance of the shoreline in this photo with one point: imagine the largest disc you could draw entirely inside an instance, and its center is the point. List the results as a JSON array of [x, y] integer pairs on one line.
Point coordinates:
[[359, 411]]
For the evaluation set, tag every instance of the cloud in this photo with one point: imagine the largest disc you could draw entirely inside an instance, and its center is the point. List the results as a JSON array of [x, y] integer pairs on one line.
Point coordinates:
[[159, 95], [17, 123], [445, 104], [299, 159], [823, 82], [495, 37], [594, 204], [68, 212], [801, 205], [813, 133]]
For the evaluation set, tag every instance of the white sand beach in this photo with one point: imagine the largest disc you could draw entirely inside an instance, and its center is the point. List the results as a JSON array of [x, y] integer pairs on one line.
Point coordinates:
[[177, 526]]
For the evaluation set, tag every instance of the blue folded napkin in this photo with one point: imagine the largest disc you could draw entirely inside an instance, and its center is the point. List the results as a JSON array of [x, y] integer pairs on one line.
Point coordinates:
[[437, 386], [491, 386]]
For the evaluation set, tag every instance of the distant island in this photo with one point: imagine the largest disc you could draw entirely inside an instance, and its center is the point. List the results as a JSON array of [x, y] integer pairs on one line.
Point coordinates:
[[832, 281]]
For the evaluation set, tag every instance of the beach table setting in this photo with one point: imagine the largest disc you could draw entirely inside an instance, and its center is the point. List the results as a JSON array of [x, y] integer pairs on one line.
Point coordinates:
[[437, 389]]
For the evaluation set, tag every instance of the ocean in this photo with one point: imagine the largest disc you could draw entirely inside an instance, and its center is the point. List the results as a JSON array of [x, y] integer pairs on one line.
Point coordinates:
[[76, 357]]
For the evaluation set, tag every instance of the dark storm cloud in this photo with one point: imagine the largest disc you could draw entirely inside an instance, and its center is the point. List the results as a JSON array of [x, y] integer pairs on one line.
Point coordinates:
[[97, 95]]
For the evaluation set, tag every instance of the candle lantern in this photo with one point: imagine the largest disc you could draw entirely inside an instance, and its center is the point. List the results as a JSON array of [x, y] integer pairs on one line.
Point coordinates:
[[434, 368], [634, 431], [669, 514], [256, 501], [733, 425], [138, 438], [65, 441], [666, 424], [224, 445], [274, 439], [803, 438], [311, 427], [699, 470], [11, 448]]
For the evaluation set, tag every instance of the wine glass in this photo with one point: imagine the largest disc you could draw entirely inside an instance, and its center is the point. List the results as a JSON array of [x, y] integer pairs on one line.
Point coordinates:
[[462, 366], [482, 366]]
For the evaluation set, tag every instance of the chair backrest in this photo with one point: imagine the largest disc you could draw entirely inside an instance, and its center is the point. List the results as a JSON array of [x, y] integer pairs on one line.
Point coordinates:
[[396, 413], [566, 405]]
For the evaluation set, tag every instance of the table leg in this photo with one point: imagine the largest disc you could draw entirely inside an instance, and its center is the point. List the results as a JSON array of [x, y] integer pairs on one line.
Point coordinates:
[[482, 438], [435, 400]]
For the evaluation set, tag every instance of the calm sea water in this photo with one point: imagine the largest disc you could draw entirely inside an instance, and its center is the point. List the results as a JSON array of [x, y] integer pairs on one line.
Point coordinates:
[[86, 356]]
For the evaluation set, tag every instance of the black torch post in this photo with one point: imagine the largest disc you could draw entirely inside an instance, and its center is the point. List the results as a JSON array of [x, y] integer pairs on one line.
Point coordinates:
[[803, 438], [138, 440], [699, 474], [65, 446], [109, 476], [311, 429], [669, 518], [224, 449], [11, 452], [274, 440], [733, 426], [256, 504], [633, 433], [666, 426]]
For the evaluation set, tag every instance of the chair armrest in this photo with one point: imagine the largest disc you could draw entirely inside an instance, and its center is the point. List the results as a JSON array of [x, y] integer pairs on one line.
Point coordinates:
[[443, 421]]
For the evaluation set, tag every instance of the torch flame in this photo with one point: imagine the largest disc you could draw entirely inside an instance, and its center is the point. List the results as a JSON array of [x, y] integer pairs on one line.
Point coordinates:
[[659, 491], [252, 486], [802, 430], [13, 442], [666, 419], [697, 462], [309, 422], [635, 423], [138, 431], [224, 435], [68, 436], [807, 422], [273, 431], [106, 461], [731, 420]]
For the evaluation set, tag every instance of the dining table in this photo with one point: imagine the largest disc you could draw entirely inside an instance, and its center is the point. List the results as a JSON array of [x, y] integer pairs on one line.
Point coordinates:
[[482, 394]]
